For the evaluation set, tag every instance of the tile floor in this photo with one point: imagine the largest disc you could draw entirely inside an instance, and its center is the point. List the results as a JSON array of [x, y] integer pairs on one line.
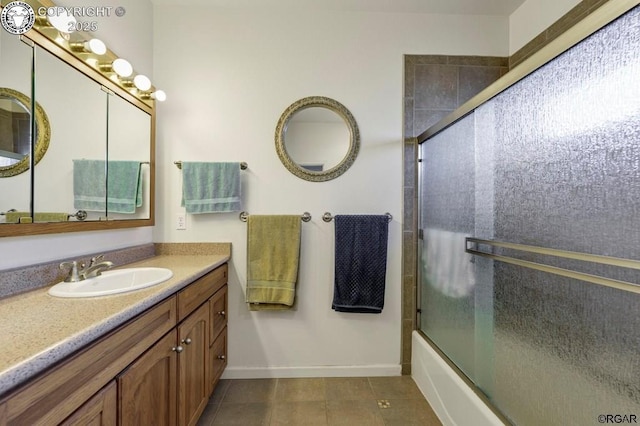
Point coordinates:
[[352, 401]]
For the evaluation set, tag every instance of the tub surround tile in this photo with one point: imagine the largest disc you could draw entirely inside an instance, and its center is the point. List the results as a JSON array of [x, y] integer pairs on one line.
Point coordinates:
[[50, 328]]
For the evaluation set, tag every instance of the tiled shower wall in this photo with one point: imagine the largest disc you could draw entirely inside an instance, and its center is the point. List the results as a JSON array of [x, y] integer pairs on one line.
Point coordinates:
[[436, 85]]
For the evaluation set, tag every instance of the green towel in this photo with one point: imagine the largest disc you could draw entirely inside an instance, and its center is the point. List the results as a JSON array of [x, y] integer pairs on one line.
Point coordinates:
[[211, 187], [125, 186], [273, 254], [19, 217]]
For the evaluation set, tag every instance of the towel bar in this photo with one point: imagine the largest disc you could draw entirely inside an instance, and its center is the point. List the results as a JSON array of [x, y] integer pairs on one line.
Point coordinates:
[[243, 165], [585, 257], [305, 217], [328, 218], [80, 214]]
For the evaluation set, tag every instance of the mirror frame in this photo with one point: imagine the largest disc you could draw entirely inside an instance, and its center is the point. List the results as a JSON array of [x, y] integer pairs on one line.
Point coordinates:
[[354, 139], [43, 130], [147, 105]]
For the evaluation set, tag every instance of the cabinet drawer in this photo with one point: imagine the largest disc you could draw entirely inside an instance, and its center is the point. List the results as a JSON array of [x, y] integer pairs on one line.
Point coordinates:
[[218, 359], [59, 392], [200, 291], [218, 313]]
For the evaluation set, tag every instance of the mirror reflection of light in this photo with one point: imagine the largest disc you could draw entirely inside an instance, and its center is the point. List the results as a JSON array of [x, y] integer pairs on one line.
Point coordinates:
[[596, 104]]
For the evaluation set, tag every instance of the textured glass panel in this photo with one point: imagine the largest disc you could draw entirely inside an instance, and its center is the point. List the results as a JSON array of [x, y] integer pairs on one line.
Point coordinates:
[[448, 216], [567, 175], [553, 161]]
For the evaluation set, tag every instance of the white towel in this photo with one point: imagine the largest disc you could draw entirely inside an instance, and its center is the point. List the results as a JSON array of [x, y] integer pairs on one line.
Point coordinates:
[[446, 265]]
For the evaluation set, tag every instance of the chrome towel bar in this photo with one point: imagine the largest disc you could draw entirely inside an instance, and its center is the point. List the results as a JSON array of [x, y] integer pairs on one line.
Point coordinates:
[[305, 217], [593, 258], [328, 218], [243, 165]]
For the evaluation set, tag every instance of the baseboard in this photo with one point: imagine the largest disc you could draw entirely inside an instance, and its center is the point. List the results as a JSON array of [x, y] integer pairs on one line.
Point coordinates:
[[314, 371]]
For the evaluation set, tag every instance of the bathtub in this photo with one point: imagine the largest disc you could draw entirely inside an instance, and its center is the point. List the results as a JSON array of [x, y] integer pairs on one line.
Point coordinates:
[[452, 400]]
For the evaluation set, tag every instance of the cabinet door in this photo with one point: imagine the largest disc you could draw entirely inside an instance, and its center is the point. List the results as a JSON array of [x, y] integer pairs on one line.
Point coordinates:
[[193, 386], [101, 410], [147, 389], [218, 313]]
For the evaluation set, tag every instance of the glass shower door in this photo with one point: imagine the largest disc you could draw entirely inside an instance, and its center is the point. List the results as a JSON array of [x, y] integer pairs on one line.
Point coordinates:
[[529, 210]]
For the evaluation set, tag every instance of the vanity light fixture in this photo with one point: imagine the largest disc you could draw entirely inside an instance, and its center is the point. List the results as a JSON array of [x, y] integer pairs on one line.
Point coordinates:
[[142, 82], [94, 45]]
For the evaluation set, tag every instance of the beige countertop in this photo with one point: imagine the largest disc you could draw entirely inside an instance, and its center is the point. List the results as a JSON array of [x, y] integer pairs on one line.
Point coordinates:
[[38, 330]]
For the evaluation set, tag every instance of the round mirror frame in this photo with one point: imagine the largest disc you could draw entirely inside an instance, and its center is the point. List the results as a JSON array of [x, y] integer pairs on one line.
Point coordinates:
[[43, 130], [354, 139]]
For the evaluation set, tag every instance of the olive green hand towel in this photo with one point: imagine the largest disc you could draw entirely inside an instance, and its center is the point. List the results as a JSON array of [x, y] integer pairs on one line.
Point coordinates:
[[19, 217], [273, 254]]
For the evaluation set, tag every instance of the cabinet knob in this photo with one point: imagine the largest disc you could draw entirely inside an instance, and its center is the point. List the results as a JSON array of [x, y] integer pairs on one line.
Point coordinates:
[[222, 313], [177, 349], [222, 357], [186, 341]]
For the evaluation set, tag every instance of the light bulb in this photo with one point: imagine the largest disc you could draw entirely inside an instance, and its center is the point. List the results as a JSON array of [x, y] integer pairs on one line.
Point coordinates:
[[122, 67], [92, 46], [142, 82], [63, 21], [96, 46], [159, 95]]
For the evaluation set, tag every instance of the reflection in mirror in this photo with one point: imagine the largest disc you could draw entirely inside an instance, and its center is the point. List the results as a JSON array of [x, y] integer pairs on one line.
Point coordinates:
[[15, 69], [77, 109], [317, 139], [129, 139], [15, 131]]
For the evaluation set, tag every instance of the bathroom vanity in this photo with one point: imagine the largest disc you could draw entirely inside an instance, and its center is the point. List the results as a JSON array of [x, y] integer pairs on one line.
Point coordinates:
[[151, 356]]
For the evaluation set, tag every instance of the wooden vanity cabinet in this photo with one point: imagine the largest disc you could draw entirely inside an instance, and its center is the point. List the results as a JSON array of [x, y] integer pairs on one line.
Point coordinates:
[[147, 389], [160, 368], [193, 366], [218, 336], [100, 410], [182, 386]]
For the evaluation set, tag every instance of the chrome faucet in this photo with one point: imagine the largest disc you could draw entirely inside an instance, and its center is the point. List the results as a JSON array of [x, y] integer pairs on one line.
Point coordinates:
[[73, 275], [95, 268]]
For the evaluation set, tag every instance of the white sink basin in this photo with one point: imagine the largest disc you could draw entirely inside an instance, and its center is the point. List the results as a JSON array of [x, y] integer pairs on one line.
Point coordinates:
[[112, 282]]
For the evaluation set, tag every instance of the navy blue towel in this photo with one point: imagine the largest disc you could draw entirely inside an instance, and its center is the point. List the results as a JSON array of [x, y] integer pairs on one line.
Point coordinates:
[[361, 263]]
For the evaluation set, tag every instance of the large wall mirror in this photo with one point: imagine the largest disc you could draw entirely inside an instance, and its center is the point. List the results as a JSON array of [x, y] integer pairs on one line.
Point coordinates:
[[317, 138], [86, 118]]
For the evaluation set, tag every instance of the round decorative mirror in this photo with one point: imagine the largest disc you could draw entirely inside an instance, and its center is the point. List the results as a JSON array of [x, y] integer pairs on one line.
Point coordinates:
[[317, 139], [15, 132]]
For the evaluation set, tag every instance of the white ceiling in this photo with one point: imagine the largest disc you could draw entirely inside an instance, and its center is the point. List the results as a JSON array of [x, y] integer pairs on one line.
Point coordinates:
[[456, 7]]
